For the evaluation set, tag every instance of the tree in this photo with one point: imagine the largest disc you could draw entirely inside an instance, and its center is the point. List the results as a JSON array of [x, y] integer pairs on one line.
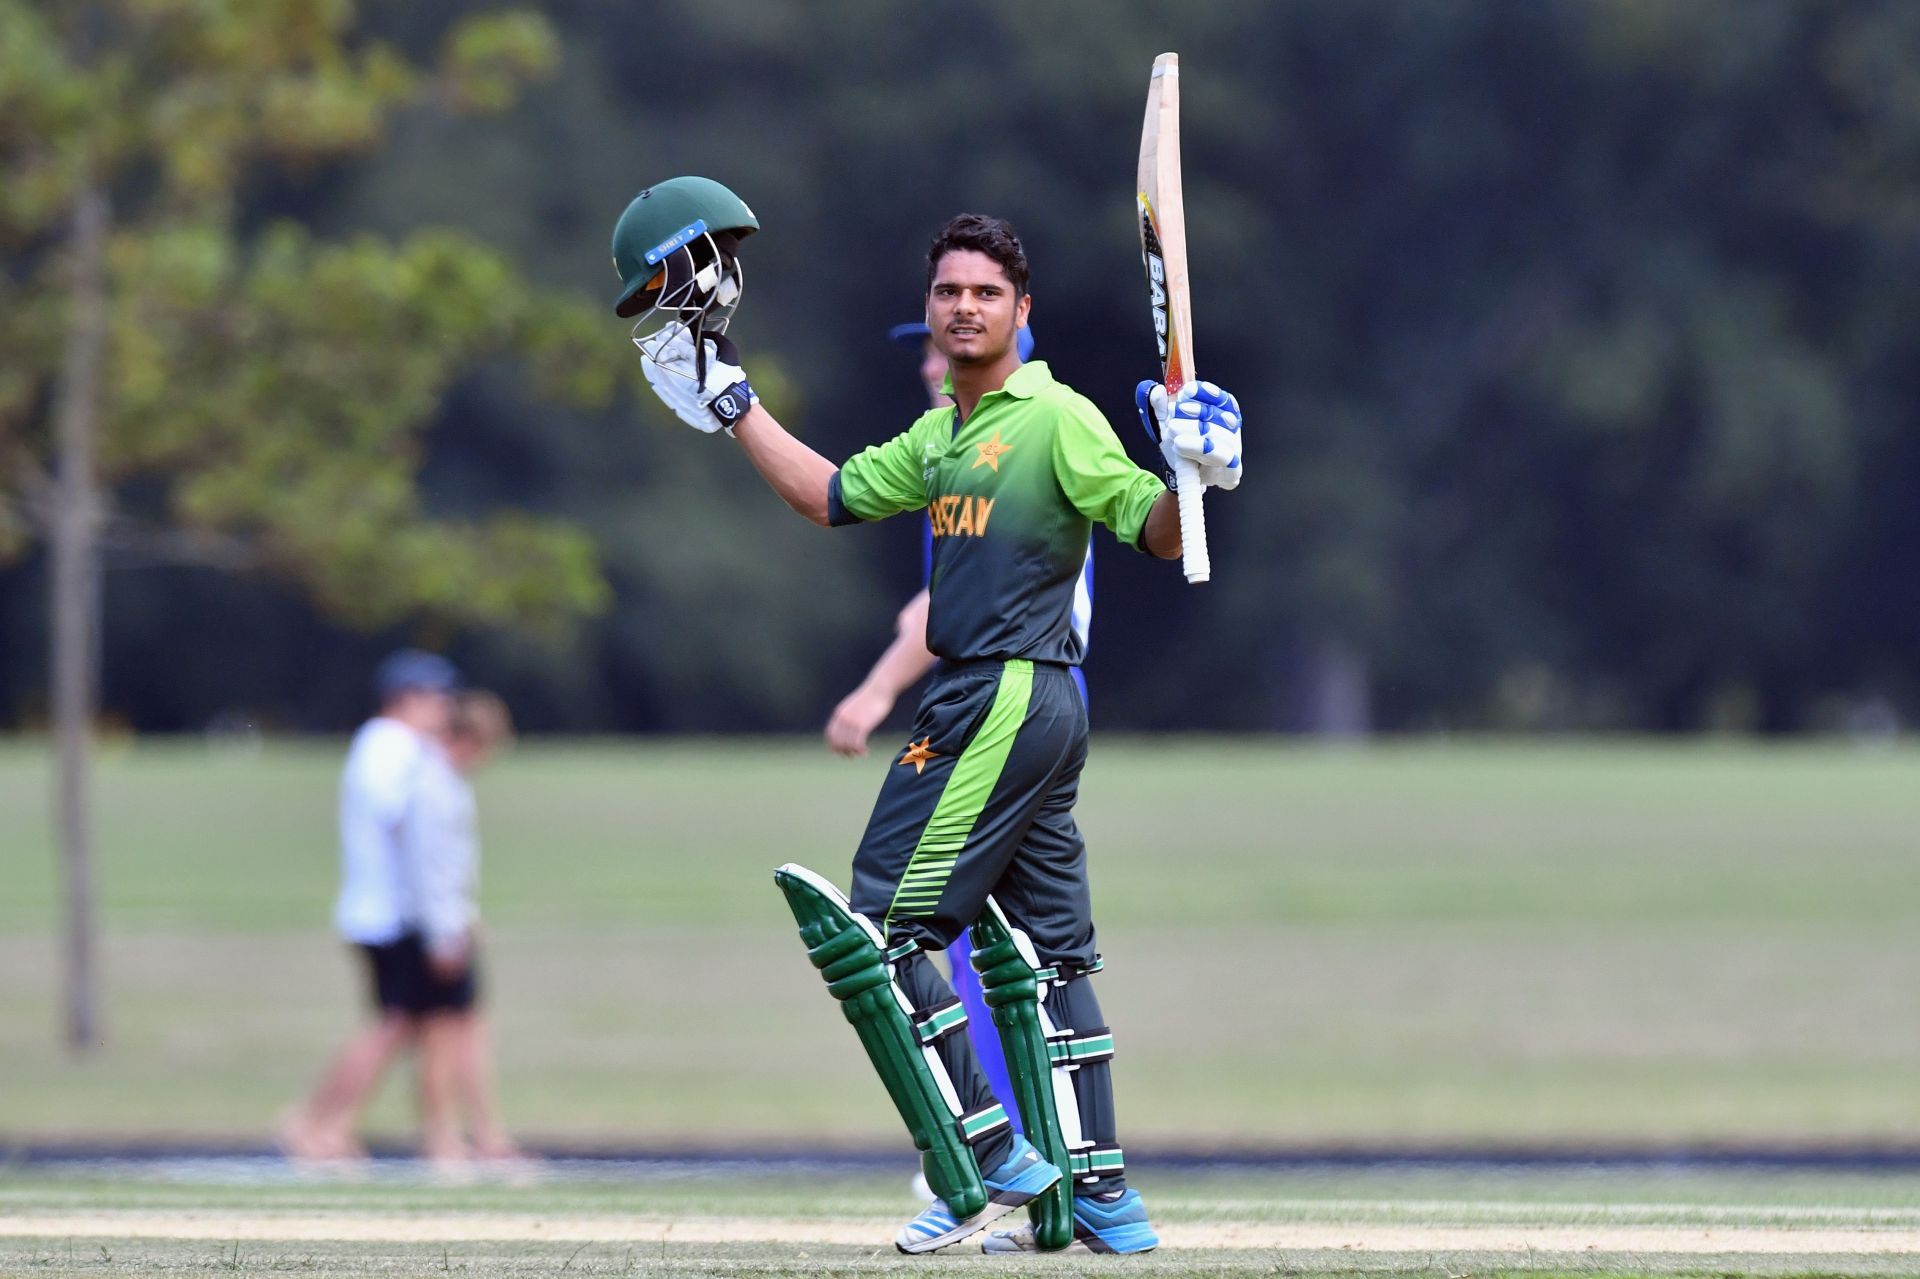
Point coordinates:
[[244, 395]]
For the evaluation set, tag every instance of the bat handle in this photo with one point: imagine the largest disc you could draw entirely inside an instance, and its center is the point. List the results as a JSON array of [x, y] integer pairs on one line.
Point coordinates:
[[1193, 525]]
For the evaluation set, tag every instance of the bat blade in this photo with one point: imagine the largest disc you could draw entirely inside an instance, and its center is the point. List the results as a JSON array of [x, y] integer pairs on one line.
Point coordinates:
[[1163, 248]]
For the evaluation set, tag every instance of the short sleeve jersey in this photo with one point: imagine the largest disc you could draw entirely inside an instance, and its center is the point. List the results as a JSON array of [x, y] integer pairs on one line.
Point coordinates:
[[1012, 494]]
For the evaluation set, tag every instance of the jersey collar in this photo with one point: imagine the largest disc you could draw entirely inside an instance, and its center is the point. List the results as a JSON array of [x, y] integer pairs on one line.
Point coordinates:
[[1023, 383]]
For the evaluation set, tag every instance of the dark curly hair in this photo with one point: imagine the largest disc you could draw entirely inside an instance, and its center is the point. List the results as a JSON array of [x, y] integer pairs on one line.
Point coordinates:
[[983, 234]]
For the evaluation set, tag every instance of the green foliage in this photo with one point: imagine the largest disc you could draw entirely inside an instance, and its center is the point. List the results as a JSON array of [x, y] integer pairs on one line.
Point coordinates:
[[1574, 337], [487, 60], [313, 367], [271, 387]]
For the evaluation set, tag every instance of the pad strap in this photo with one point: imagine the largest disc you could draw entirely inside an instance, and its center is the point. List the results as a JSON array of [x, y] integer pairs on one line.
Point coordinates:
[[978, 1125], [1074, 1049], [937, 1023], [1096, 1162], [1061, 974]]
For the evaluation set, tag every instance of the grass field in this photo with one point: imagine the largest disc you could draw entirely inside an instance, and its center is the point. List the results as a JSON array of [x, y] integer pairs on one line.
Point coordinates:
[[1538, 943]]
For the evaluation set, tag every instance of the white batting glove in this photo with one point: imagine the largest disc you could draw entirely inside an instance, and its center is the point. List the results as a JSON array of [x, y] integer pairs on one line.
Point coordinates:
[[1202, 425], [706, 403]]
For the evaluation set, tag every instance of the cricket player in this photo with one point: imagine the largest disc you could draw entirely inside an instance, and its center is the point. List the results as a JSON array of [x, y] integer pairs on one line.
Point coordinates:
[[974, 824], [902, 664]]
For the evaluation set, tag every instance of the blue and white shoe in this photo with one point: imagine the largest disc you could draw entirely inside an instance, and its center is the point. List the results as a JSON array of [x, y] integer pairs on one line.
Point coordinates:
[[1119, 1226], [1022, 1177]]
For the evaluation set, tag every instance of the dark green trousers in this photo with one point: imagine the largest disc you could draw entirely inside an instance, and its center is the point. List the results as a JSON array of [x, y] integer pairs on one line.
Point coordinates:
[[980, 801]]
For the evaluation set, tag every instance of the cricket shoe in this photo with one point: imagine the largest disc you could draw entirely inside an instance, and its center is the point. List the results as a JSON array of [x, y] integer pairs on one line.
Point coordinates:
[[1020, 1178], [1098, 1226]]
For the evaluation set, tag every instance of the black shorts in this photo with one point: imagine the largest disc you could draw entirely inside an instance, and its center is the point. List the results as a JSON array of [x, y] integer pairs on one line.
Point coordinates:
[[403, 982]]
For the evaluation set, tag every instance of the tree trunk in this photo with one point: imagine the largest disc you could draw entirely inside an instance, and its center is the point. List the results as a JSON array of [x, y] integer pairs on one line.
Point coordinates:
[[73, 537]]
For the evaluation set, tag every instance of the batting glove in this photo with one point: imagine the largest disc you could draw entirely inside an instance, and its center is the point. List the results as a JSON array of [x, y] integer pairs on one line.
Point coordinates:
[[1202, 425], [708, 394]]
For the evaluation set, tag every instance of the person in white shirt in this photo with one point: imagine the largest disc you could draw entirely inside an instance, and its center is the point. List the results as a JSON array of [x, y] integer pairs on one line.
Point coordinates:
[[375, 910], [440, 854]]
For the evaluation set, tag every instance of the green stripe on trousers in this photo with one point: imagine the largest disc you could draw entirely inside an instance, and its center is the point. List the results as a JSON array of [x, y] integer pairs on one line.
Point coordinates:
[[965, 796]]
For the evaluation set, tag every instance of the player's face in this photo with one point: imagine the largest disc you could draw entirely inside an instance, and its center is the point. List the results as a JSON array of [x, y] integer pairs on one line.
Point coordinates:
[[972, 309], [933, 374]]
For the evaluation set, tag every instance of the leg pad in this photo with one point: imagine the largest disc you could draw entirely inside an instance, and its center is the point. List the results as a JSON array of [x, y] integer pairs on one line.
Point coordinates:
[[1012, 984], [852, 956]]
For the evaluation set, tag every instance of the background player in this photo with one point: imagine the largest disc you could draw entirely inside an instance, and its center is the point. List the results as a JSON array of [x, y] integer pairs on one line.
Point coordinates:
[[981, 800], [378, 784], [441, 852]]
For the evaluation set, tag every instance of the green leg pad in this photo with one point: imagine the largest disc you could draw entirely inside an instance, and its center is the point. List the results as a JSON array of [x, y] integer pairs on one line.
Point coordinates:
[[1011, 984], [851, 954]]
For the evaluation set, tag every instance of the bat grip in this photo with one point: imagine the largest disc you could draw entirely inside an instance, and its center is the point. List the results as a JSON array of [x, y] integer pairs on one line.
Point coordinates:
[[1193, 525]]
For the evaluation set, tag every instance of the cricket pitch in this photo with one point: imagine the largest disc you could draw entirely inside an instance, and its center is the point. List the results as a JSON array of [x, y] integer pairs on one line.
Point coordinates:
[[313, 1227]]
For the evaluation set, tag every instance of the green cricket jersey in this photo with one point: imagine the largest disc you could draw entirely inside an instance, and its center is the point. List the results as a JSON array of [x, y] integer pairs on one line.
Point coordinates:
[[1011, 495]]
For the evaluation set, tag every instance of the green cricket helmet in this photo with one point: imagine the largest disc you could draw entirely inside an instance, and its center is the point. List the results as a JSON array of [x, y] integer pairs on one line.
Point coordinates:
[[676, 248]]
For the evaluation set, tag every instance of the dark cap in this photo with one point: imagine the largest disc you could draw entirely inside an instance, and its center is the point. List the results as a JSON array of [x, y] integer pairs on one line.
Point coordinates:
[[412, 669], [914, 334]]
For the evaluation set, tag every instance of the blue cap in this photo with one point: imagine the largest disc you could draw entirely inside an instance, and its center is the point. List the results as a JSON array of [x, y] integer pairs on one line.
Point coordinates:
[[914, 334], [410, 669]]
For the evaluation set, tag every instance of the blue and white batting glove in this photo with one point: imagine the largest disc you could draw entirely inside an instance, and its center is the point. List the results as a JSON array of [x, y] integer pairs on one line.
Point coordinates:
[[1202, 425], [710, 403]]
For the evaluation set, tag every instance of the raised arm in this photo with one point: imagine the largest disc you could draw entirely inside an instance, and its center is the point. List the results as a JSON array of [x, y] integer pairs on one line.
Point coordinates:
[[712, 393], [1202, 426], [1161, 536], [798, 474], [1104, 484]]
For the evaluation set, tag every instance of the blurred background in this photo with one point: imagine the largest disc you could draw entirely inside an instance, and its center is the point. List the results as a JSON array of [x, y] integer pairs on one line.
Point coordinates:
[[1578, 346]]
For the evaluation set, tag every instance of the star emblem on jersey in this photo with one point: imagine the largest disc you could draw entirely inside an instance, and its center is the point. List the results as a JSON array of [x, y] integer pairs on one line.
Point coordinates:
[[990, 453], [918, 755]]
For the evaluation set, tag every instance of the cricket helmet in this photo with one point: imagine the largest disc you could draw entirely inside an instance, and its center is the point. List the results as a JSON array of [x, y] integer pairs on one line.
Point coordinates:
[[676, 250]]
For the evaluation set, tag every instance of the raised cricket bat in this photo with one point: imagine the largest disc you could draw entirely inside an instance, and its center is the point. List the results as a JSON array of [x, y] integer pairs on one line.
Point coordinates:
[[1163, 245]]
